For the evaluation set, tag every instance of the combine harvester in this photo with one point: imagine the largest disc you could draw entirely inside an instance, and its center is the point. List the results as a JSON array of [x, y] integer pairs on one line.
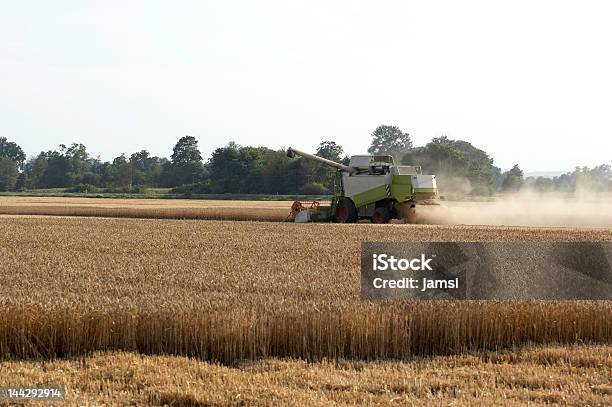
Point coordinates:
[[370, 187]]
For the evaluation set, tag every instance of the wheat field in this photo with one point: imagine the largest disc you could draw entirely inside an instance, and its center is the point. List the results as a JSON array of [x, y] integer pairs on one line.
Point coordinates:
[[222, 313], [226, 291]]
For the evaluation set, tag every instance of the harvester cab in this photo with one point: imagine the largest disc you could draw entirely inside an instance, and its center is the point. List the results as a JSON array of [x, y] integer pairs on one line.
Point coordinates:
[[371, 187]]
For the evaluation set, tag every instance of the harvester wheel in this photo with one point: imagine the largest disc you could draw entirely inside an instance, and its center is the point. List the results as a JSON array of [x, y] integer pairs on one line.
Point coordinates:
[[381, 215], [346, 212]]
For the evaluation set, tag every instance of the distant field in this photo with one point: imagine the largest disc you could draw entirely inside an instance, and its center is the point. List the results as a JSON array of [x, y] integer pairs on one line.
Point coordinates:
[[157, 193], [146, 208], [509, 211]]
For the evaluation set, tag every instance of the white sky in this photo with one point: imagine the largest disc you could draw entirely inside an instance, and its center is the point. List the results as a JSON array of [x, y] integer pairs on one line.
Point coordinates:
[[530, 82]]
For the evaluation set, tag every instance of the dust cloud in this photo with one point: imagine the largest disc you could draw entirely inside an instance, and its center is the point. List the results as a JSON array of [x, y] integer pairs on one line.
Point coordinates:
[[523, 209]]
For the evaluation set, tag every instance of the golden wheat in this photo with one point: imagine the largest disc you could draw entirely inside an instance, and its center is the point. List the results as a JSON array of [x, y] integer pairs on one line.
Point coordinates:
[[146, 208], [228, 291]]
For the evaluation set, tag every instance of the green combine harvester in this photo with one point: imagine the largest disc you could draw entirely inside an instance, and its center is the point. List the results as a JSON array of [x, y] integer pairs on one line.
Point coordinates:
[[370, 187]]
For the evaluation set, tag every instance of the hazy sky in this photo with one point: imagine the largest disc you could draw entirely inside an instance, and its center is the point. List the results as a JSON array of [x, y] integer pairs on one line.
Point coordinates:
[[527, 81]]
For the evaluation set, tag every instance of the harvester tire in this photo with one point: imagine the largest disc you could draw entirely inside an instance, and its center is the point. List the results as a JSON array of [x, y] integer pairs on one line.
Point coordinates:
[[381, 215], [346, 212]]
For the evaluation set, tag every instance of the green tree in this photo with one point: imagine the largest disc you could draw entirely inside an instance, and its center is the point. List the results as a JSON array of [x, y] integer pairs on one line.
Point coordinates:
[[57, 169], [460, 167], [8, 174], [227, 169], [236, 169], [539, 184], [35, 169], [141, 163], [278, 174], [186, 151], [586, 179], [91, 174], [78, 162], [57, 173], [602, 177], [512, 179], [330, 150], [390, 140], [325, 175], [123, 172], [186, 166], [103, 173], [147, 169], [12, 151]]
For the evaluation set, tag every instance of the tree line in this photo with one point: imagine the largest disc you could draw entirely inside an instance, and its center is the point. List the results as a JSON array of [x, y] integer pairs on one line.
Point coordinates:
[[460, 167]]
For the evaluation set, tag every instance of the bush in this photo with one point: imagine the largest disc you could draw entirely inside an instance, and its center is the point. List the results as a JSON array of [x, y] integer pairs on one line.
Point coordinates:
[[314, 188], [183, 189], [135, 189], [83, 188], [188, 189]]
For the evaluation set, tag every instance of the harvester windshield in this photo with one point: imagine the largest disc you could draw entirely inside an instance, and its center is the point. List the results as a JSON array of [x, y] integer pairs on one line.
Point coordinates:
[[409, 170]]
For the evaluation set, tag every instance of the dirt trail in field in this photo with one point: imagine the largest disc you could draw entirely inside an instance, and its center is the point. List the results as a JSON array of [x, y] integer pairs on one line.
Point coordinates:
[[521, 211]]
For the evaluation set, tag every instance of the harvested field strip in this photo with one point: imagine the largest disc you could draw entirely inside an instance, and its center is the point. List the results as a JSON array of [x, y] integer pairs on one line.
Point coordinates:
[[242, 290], [572, 375]]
